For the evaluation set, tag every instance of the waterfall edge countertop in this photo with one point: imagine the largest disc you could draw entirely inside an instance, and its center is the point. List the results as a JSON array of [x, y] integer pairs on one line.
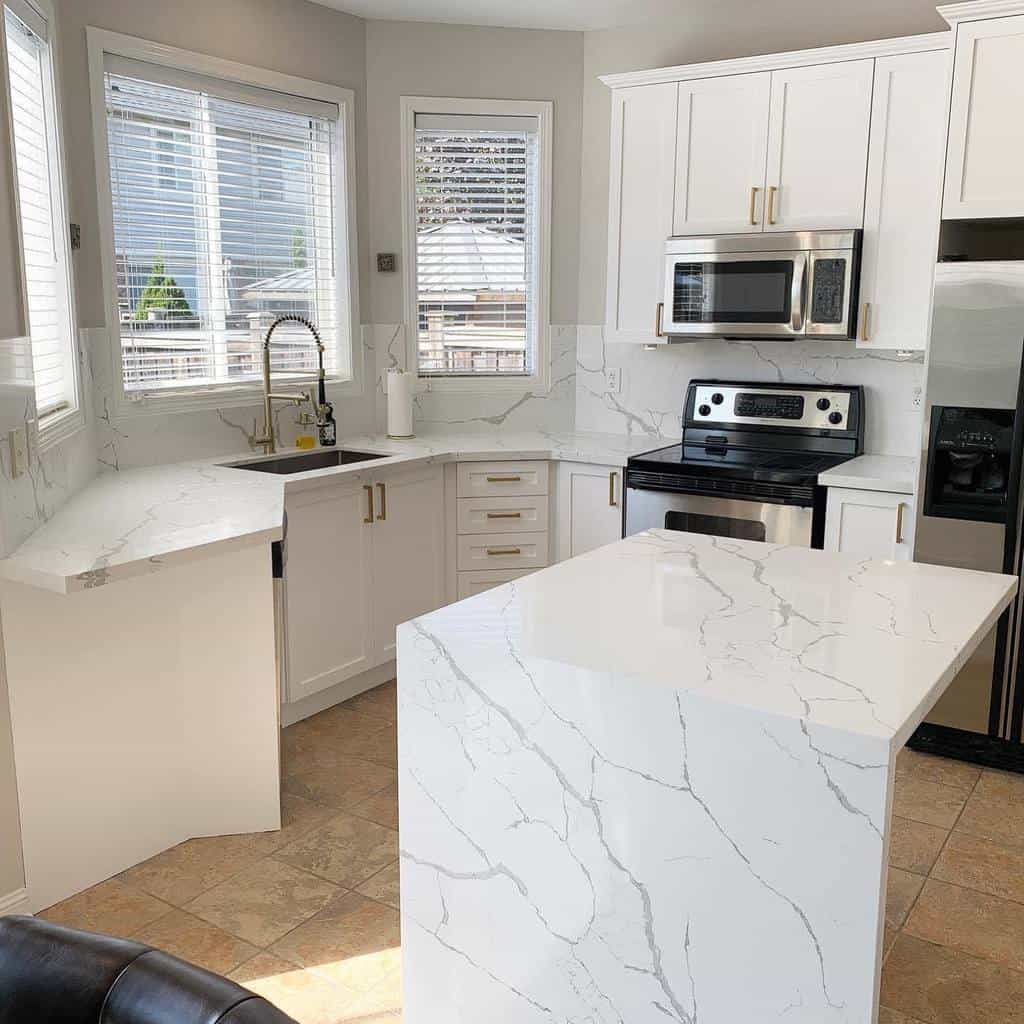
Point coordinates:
[[654, 781], [139, 521]]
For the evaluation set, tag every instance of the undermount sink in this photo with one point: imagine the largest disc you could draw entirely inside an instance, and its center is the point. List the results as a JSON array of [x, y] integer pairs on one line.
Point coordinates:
[[322, 459]]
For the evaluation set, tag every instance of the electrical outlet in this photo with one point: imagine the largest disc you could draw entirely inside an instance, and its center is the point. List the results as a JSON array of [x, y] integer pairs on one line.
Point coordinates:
[[17, 439], [613, 380], [917, 397]]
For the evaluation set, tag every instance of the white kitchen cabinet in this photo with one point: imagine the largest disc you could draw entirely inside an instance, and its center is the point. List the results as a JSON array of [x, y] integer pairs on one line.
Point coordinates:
[[589, 507], [473, 583], [818, 146], [870, 524], [407, 552], [904, 184], [721, 141], [986, 133], [642, 172], [327, 585]]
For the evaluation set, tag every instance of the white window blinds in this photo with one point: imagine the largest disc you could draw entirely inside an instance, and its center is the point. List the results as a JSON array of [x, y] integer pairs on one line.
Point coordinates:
[[226, 216], [476, 244], [41, 212]]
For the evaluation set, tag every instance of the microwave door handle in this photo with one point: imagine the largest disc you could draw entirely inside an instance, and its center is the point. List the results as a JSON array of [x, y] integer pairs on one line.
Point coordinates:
[[798, 295]]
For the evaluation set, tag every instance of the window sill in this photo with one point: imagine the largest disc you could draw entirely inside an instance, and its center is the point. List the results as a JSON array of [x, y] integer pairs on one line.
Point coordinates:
[[57, 429], [484, 385]]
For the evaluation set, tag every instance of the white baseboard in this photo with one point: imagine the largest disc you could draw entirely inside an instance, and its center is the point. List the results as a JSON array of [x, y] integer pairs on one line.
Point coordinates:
[[15, 903], [317, 702]]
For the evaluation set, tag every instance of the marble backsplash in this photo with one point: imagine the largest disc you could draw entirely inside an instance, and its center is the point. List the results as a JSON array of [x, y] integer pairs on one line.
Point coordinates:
[[653, 383]]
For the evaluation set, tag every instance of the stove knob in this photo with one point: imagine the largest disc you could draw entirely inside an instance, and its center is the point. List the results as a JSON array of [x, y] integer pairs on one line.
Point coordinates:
[[705, 410], [835, 417], [823, 404], [717, 399]]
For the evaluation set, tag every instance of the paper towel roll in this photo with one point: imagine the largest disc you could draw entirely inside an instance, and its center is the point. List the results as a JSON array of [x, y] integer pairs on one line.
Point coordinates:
[[400, 390]]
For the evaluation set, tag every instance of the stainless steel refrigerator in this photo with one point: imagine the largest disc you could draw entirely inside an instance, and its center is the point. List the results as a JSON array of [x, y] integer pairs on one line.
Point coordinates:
[[969, 498]]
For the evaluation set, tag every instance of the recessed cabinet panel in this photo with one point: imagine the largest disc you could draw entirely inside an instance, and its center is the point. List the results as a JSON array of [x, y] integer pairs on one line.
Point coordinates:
[[589, 507], [818, 146], [502, 551], [721, 138], [503, 515]]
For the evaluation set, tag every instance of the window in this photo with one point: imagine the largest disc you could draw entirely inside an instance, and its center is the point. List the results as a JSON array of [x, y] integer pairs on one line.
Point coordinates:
[[478, 238], [228, 209], [40, 196]]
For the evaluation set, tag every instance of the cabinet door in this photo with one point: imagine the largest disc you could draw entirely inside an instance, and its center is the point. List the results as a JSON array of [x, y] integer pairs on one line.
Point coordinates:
[[327, 557], [642, 170], [818, 146], [986, 132], [870, 524], [901, 214], [589, 507], [721, 142], [408, 552]]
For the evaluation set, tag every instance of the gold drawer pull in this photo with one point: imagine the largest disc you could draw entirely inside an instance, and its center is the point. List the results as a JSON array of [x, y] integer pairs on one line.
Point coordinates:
[[504, 551], [659, 312], [753, 204], [611, 489], [368, 518], [504, 479], [772, 189], [383, 502], [504, 515], [899, 522], [865, 321]]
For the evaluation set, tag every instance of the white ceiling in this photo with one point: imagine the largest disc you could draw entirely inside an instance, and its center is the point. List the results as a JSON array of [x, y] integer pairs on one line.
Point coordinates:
[[578, 15]]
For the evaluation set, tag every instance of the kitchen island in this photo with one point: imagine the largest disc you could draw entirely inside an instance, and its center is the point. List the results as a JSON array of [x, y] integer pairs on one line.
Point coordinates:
[[654, 782]]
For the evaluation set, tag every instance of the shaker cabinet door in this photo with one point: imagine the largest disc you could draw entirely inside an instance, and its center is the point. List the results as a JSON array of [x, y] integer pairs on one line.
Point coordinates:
[[589, 507], [870, 524]]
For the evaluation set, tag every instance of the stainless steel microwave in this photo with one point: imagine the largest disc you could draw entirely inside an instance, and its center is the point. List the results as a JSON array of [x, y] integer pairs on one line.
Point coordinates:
[[800, 284]]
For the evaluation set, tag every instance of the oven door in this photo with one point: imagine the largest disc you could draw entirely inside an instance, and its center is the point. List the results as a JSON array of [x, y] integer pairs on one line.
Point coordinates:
[[735, 294], [719, 517]]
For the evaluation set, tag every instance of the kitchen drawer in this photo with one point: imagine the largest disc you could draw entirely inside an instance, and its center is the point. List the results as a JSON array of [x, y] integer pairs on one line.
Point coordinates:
[[471, 583], [502, 551], [496, 479], [528, 514]]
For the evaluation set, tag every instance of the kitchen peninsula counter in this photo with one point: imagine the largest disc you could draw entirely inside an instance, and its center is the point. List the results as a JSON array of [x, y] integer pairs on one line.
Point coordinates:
[[654, 782]]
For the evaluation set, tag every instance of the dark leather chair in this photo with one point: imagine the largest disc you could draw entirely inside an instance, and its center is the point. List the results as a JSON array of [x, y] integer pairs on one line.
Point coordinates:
[[50, 974]]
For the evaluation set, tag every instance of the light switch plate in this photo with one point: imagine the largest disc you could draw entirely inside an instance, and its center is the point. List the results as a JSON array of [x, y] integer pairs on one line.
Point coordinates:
[[613, 380], [17, 439]]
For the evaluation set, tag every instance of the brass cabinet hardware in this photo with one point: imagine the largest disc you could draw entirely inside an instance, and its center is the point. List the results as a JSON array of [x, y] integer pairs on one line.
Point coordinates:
[[865, 322], [504, 479], [658, 313], [611, 489], [753, 204], [772, 189], [383, 514], [504, 515], [368, 518], [899, 522], [504, 551]]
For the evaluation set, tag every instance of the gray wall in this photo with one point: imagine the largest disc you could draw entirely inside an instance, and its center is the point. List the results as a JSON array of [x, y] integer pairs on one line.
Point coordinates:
[[702, 31], [415, 59]]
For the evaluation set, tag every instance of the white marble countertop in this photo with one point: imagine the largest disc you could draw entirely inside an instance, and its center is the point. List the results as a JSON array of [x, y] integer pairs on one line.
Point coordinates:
[[894, 473], [853, 644], [139, 521]]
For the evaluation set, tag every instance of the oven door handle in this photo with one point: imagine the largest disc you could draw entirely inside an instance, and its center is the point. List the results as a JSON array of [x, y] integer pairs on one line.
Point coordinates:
[[798, 295]]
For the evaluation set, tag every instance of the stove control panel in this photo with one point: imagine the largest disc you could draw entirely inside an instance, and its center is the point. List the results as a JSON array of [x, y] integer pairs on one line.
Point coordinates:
[[811, 409]]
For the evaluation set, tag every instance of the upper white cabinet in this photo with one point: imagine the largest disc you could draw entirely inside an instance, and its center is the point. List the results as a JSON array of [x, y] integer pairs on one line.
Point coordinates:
[[642, 173], [818, 146], [589, 507], [721, 142], [986, 131], [901, 211]]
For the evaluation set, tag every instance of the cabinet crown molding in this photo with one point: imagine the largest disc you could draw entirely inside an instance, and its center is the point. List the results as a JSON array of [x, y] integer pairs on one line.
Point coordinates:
[[801, 58], [978, 10]]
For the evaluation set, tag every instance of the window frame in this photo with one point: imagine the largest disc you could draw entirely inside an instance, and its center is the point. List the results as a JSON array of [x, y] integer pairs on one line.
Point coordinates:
[[61, 424], [539, 381], [101, 43]]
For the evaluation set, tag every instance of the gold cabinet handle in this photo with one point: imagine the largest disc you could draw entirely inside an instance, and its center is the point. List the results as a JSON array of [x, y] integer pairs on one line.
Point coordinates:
[[753, 204], [865, 322], [899, 522], [503, 479], [504, 515], [658, 313], [383, 514], [772, 189], [504, 551], [368, 518], [611, 489]]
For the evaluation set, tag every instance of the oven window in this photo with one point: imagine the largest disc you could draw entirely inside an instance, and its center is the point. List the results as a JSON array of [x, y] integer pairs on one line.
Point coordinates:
[[734, 292], [715, 526]]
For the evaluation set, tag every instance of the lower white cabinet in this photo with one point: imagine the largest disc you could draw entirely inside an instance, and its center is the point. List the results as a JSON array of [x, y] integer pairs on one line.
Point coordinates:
[[471, 583], [589, 507], [360, 558], [870, 524]]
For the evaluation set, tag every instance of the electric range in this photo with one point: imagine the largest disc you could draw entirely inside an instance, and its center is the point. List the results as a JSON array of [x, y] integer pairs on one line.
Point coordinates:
[[747, 465]]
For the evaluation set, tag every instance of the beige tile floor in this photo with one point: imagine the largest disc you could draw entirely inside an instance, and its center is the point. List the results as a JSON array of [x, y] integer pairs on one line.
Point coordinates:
[[308, 916]]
